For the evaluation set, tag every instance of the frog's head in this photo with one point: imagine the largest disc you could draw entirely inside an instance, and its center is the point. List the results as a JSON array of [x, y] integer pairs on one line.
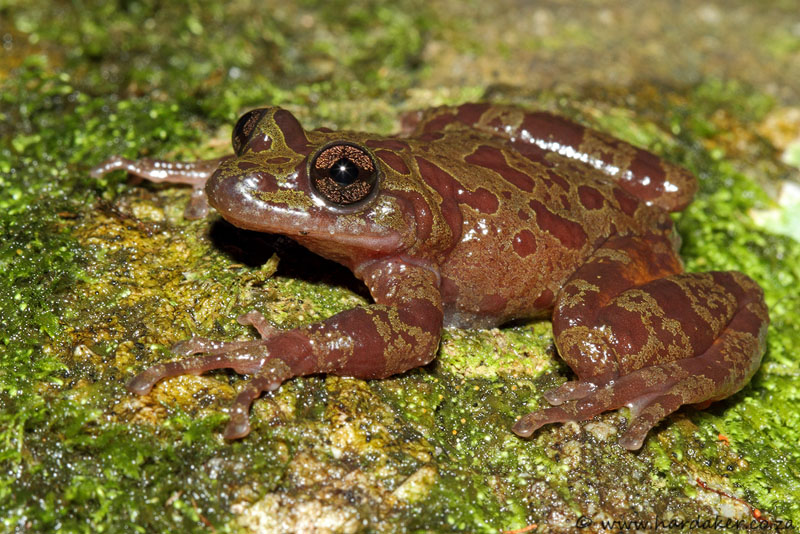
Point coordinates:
[[320, 188]]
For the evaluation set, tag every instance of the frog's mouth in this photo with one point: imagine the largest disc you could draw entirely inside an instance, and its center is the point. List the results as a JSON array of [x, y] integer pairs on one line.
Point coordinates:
[[256, 202]]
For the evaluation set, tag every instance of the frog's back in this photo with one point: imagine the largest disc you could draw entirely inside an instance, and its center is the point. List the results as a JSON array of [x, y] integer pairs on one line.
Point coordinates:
[[518, 228], [546, 138]]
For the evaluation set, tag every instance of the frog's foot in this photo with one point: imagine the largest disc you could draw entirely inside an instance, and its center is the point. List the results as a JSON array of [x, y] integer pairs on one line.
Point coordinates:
[[268, 378], [198, 345], [259, 322], [194, 173], [580, 400], [197, 208], [572, 390], [244, 357]]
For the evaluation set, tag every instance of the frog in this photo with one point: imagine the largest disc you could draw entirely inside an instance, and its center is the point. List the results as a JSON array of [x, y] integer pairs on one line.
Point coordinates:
[[476, 216]]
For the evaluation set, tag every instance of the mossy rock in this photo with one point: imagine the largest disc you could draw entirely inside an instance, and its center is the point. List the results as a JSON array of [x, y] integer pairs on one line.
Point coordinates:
[[99, 277]]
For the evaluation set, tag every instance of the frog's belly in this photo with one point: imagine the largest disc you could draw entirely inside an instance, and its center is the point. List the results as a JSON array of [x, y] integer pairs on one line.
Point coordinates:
[[484, 286]]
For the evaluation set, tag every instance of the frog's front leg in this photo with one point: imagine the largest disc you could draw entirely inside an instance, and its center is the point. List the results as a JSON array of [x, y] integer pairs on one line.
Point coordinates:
[[194, 173], [399, 332], [639, 333]]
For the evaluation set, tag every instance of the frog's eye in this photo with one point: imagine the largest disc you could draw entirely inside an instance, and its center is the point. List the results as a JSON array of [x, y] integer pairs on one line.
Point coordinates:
[[244, 129], [343, 173]]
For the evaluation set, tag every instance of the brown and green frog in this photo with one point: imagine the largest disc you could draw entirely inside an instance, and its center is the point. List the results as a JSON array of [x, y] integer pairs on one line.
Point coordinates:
[[474, 216]]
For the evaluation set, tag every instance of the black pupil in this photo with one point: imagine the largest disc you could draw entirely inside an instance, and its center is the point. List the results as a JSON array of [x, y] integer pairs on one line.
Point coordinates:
[[344, 171]]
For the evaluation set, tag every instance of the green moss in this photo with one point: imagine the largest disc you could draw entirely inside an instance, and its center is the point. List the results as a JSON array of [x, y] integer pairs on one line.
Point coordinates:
[[760, 421], [292, 53]]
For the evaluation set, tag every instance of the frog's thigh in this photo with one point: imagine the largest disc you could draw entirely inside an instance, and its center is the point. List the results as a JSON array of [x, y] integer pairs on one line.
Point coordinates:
[[621, 264], [685, 339]]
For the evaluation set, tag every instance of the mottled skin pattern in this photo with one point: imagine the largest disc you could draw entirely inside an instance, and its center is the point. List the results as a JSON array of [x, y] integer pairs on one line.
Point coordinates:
[[477, 215]]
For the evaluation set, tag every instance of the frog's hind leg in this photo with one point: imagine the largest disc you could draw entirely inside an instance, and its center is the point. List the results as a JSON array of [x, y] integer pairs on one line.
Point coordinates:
[[654, 392], [641, 336], [572, 390], [194, 173]]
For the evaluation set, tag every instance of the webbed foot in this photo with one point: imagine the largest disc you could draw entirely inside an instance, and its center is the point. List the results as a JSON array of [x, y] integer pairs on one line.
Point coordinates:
[[652, 393]]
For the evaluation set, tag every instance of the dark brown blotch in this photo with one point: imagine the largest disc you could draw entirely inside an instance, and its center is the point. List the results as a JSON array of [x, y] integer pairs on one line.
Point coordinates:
[[470, 114], [260, 142], [445, 185], [493, 159], [559, 129], [439, 123], [545, 301], [524, 243], [627, 202], [590, 197], [571, 234], [558, 179], [392, 160], [429, 137], [481, 199], [493, 304]]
